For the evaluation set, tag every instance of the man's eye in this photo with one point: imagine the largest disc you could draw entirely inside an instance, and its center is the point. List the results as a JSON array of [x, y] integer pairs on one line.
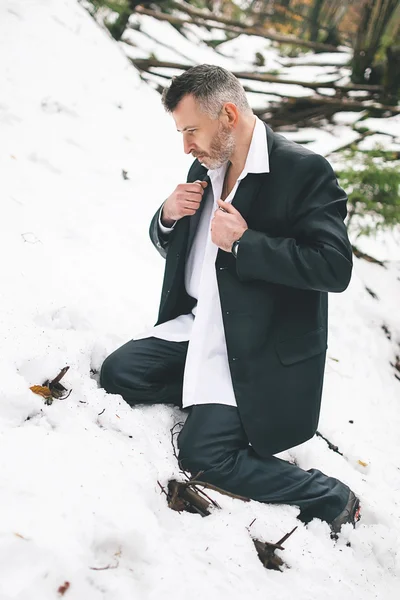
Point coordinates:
[[191, 130]]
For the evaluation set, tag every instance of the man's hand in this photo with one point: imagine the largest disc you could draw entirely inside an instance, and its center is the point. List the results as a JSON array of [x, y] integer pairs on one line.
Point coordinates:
[[184, 201], [227, 226]]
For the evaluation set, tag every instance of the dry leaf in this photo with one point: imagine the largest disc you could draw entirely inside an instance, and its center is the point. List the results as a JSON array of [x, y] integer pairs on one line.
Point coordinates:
[[42, 390]]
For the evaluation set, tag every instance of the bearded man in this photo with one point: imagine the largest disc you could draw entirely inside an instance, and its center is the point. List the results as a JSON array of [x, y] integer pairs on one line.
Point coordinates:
[[253, 242]]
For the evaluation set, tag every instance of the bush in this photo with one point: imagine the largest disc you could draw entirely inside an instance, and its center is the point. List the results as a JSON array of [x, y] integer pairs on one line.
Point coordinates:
[[373, 187]]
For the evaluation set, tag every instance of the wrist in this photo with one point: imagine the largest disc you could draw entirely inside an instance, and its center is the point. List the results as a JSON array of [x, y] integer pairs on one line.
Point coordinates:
[[165, 220], [236, 244]]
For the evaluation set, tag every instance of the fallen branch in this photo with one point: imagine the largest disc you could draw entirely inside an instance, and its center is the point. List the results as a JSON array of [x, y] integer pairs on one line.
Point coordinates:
[[339, 104], [265, 77], [148, 63], [315, 63], [254, 31]]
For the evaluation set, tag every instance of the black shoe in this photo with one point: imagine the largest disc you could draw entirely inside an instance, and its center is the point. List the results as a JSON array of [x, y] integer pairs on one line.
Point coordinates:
[[350, 514]]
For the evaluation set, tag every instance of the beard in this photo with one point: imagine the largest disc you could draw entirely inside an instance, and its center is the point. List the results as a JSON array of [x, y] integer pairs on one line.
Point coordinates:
[[221, 149]]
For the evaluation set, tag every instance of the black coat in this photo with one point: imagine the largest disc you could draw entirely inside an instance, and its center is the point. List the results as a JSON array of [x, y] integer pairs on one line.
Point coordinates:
[[274, 297]]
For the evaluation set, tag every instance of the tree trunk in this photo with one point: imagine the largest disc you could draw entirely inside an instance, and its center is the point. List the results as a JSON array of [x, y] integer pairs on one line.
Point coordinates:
[[391, 79], [375, 17], [314, 19]]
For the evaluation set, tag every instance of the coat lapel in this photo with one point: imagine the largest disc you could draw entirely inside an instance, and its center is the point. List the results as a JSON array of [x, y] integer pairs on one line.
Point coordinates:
[[250, 185], [246, 192]]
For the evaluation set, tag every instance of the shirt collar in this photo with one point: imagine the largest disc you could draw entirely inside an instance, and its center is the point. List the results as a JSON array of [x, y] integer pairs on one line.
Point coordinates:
[[257, 160]]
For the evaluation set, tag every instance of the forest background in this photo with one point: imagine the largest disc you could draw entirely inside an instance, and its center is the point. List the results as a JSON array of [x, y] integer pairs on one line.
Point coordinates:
[[355, 42]]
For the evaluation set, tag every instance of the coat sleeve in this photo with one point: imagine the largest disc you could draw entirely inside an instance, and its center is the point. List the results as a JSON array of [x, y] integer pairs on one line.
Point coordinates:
[[317, 255], [159, 240]]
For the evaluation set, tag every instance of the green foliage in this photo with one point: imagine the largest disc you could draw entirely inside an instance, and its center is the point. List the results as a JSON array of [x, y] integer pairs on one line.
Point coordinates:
[[118, 6], [373, 187]]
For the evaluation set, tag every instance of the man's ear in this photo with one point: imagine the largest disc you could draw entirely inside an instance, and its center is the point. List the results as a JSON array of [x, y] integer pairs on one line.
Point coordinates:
[[230, 114]]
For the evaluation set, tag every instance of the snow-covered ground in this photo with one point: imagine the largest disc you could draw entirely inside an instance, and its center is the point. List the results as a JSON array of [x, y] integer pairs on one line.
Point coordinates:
[[79, 499]]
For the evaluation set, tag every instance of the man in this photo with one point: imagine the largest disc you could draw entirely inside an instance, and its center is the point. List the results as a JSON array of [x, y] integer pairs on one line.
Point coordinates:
[[253, 242]]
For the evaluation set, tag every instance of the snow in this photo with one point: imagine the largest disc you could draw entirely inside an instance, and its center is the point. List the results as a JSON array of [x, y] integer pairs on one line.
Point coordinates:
[[372, 142], [79, 497], [391, 125], [323, 141]]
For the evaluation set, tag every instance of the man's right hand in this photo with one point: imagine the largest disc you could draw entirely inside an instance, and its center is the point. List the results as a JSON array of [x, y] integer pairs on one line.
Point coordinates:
[[184, 201]]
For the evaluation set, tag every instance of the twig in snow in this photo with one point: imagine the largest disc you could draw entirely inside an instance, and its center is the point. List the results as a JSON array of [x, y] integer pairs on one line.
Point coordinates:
[[367, 257], [104, 568], [266, 552], [330, 445]]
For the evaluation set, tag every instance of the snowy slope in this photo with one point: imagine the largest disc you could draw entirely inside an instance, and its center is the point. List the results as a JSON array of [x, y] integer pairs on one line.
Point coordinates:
[[79, 497]]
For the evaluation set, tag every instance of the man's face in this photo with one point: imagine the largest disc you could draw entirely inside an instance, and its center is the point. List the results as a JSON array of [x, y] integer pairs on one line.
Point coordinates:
[[211, 141]]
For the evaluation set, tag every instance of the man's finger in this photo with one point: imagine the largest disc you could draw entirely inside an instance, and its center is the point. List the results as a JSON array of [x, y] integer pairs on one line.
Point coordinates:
[[203, 184], [194, 188], [226, 206], [193, 196]]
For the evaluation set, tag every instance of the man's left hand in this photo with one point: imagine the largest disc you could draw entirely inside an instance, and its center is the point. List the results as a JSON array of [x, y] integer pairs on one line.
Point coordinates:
[[227, 226]]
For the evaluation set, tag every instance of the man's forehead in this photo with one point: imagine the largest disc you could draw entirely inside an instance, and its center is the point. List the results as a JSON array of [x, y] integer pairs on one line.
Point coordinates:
[[187, 114]]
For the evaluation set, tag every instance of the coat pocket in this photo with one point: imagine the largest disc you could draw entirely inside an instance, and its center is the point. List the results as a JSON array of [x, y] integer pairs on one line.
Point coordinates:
[[296, 349]]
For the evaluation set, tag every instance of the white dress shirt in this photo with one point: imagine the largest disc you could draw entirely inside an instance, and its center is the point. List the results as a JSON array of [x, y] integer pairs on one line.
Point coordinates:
[[207, 377]]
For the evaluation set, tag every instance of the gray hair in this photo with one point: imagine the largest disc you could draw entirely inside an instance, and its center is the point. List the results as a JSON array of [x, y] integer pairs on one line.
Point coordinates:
[[211, 86]]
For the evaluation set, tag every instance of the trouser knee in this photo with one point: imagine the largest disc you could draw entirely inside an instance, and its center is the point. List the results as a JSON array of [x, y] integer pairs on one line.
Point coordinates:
[[108, 374]]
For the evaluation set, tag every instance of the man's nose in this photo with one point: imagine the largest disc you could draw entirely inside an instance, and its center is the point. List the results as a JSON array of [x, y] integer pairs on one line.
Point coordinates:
[[187, 146]]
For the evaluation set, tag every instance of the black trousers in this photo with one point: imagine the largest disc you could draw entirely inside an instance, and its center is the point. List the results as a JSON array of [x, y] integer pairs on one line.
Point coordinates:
[[150, 371]]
